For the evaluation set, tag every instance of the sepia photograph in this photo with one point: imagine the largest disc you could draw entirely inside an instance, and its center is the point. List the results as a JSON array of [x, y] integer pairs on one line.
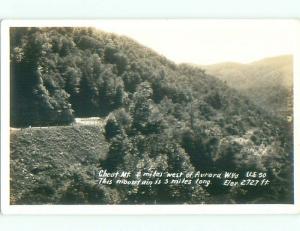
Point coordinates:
[[148, 113]]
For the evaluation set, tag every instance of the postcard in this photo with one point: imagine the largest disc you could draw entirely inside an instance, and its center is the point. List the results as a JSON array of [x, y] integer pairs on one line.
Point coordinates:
[[149, 116]]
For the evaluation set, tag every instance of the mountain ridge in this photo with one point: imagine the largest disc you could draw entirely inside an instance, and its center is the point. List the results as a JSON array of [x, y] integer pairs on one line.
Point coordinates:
[[267, 82]]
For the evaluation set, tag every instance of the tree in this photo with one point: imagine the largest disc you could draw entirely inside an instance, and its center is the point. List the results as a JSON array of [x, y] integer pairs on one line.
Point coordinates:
[[119, 148], [112, 128]]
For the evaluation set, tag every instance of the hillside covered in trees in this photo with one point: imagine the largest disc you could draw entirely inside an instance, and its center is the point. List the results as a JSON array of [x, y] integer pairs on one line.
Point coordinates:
[[267, 82], [159, 115]]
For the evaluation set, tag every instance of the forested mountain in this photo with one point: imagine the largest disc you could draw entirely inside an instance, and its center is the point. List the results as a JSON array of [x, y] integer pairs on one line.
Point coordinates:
[[160, 116], [267, 82]]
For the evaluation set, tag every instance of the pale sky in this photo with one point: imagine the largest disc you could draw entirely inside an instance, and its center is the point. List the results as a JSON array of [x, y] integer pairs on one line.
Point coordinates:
[[209, 41]]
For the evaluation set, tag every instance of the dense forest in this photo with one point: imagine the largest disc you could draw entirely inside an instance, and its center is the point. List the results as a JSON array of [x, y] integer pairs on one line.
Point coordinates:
[[159, 115]]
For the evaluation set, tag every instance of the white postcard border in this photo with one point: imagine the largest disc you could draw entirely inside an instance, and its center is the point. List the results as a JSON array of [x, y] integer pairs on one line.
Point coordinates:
[[6, 208]]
